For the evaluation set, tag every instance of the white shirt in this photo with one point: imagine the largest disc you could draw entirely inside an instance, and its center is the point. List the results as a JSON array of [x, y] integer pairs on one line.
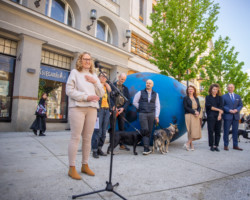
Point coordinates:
[[157, 102]]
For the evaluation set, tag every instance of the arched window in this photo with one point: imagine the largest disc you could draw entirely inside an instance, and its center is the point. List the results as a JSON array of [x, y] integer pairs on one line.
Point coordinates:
[[60, 11], [103, 32]]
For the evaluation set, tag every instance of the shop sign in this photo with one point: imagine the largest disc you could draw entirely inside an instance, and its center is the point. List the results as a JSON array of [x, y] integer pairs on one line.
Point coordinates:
[[54, 74]]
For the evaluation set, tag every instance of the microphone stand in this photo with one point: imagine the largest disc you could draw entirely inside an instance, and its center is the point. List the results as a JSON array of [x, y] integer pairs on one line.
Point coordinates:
[[109, 185]]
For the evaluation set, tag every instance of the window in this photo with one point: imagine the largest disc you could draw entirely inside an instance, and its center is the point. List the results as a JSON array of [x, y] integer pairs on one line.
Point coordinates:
[[60, 11], [141, 14], [54, 59], [17, 1], [7, 65], [53, 82], [103, 32], [140, 47], [8, 47]]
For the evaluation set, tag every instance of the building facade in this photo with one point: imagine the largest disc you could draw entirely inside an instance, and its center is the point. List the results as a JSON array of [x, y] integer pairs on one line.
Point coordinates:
[[41, 40]]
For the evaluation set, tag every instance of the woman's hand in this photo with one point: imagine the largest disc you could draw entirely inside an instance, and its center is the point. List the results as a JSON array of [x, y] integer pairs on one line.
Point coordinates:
[[221, 111], [219, 117], [93, 98], [197, 113], [90, 79]]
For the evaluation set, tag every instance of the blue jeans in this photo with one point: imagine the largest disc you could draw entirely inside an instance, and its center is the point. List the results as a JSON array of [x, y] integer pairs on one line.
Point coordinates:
[[99, 135], [227, 125]]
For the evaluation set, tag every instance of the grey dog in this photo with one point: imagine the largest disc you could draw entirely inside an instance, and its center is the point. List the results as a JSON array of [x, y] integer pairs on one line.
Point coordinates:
[[162, 138]]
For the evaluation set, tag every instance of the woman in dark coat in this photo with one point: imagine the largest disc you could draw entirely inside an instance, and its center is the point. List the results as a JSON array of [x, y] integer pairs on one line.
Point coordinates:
[[39, 123], [214, 109]]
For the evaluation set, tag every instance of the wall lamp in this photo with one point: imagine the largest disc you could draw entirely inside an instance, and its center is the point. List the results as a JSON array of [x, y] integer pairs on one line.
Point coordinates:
[[37, 3], [92, 17], [128, 35]]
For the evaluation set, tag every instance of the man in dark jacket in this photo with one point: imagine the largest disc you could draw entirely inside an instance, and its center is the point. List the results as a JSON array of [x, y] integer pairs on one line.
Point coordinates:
[[148, 103], [232, 105], [121, 104]]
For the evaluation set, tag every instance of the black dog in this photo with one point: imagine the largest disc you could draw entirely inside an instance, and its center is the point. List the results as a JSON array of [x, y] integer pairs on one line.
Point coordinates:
[[243, 133], [125, 137]]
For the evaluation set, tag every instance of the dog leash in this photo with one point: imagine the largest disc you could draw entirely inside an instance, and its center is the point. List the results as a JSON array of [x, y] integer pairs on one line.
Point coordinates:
[[158, 124], [131, 125]]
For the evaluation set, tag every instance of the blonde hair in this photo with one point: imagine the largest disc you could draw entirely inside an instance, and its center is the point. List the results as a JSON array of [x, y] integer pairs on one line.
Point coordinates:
[[79, 66]]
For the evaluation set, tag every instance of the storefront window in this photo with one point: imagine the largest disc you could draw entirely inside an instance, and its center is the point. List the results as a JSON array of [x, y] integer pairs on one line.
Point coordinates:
[[53, 82], [6, 86]]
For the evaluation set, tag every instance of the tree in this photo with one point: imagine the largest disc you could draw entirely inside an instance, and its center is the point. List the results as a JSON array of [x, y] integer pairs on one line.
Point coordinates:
[[181, 30], [221, 66]]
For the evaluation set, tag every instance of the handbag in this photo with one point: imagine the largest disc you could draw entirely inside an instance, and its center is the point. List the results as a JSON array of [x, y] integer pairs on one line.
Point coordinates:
[[40, 111]]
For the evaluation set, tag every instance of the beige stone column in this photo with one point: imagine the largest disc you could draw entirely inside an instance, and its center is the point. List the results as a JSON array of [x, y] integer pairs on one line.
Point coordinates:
[[26, 82]]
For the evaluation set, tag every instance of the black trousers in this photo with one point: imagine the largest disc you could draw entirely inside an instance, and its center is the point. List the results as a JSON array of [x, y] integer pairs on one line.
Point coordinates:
[[214, 130], [147, 122], [121, 121]]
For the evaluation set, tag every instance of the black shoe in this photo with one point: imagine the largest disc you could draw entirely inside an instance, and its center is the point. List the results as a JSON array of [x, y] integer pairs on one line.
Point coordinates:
[[42, 134], [216, 149], [35, 132], [146, 151], [212, 149], [95, 154], [101, 153]]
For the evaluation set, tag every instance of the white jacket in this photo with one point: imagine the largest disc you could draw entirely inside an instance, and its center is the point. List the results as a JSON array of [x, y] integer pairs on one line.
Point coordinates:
[[78, 89]]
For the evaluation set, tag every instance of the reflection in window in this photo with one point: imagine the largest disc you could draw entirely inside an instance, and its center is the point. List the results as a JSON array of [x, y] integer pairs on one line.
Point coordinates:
[[141, 14], [103, 32], [57, 10], [6, 86], [17, 1], [140, 47], [60, 11], [100, 30], [53, 82]]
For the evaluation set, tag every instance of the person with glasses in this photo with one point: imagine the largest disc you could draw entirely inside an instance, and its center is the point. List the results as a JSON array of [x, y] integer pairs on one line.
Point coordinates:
[[104, 111], [84, 90]]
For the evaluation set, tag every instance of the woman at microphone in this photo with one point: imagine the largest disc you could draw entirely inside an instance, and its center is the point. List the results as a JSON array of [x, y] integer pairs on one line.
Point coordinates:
[[84, 91]]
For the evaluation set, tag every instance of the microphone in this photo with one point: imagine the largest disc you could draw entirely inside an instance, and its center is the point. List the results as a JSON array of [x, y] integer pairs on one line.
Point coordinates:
[[97, 64]]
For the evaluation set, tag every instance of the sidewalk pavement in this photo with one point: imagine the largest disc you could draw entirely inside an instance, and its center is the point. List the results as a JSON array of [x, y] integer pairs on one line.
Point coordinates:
[[35, 168]]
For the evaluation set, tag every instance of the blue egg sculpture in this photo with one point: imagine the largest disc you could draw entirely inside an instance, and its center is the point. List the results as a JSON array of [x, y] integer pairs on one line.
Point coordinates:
[[171, 94]]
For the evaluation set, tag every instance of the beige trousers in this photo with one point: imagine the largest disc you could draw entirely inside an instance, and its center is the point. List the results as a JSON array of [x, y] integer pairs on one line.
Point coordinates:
[[82, 122]]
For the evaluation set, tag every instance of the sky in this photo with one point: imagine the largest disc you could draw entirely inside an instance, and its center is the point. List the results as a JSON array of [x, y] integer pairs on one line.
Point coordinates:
[[234, 22]]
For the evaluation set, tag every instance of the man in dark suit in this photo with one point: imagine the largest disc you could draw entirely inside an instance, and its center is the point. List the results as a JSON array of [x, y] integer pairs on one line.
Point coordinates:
[[232, 105]]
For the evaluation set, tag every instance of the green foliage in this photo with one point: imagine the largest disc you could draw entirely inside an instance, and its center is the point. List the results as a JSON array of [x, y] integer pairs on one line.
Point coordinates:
[[221, 66], [181, 30]]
